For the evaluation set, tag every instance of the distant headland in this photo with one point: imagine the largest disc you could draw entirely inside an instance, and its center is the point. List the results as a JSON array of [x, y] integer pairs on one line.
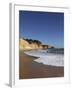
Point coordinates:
[[28, 44]]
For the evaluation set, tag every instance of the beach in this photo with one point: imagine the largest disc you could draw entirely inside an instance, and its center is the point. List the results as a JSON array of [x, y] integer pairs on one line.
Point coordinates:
[[28, 68]]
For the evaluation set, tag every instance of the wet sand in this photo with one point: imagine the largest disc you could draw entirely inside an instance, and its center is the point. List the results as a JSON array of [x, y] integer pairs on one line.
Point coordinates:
[[28, 68]]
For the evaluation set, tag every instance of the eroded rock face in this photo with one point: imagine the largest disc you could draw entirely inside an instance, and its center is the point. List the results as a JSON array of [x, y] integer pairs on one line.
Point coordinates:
[[23, 44], [27, 44]]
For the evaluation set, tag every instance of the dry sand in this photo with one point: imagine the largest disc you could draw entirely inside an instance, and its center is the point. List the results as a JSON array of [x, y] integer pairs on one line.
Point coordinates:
[[28, 68]]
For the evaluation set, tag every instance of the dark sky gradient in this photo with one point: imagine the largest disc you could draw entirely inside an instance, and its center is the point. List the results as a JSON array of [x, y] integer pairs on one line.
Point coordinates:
[[48, 27]]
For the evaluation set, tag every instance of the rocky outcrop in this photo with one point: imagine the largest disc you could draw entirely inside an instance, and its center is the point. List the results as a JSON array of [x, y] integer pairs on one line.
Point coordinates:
[[23, 44], [28, 44]]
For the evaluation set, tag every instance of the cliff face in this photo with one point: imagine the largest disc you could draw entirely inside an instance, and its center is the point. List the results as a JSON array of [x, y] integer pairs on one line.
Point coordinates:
[[28, 44], [23, 44]]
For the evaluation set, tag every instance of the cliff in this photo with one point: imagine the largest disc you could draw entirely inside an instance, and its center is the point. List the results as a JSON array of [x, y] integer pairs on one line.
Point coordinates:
[[28, 44], [23, 44]]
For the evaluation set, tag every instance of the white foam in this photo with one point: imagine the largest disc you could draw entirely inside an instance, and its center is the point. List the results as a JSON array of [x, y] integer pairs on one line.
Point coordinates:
[[47, 58]]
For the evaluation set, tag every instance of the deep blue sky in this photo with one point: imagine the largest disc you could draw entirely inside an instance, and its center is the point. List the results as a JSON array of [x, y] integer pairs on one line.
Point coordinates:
[[48, 27]]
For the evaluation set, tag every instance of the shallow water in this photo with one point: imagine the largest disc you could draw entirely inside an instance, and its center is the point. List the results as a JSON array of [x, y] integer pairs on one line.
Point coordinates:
[[47, 58]]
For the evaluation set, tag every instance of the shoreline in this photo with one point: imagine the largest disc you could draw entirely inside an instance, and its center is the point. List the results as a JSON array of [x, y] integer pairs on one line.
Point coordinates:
[[28, 68]]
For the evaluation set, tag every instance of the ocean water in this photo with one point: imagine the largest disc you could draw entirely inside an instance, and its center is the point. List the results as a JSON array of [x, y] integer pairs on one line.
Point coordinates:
[[53, 57]]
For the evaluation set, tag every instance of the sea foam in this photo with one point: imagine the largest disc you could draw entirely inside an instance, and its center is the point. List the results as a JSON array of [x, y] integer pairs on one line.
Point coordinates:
[[47, 58]]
